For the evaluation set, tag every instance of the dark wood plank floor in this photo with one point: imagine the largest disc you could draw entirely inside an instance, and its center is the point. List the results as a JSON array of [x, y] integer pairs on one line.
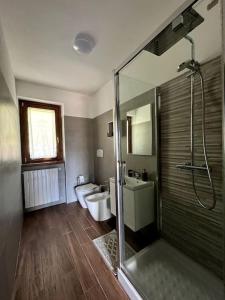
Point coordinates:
[[58, 259]]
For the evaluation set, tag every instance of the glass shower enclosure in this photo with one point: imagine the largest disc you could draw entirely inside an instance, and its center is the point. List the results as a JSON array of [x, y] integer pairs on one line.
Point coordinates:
[[169, 152]]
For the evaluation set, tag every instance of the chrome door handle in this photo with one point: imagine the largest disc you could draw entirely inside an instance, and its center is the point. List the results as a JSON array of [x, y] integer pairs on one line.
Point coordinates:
[[123, 172]]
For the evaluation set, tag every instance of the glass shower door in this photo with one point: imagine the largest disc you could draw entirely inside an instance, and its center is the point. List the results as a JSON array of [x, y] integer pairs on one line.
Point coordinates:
[[171, 247], [137, 166]]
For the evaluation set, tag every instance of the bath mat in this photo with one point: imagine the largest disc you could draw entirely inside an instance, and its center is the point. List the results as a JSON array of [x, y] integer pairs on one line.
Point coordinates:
[[107, 247]]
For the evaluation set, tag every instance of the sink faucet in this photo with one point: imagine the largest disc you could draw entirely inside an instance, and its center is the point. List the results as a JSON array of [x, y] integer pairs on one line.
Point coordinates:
[[137, 175]]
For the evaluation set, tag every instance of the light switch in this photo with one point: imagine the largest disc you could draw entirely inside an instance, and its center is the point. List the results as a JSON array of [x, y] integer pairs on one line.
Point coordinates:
[[99, 152]]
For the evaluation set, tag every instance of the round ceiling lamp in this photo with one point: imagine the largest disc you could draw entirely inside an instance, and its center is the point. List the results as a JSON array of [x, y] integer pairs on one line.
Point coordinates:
[[84, 43]]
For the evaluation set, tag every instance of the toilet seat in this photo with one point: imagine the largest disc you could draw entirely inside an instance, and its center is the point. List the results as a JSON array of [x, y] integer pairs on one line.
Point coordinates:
[[84, 190], [99, 206]]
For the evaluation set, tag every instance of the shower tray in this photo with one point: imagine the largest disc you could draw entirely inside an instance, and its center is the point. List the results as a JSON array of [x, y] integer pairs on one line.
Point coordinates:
[[161, 271]]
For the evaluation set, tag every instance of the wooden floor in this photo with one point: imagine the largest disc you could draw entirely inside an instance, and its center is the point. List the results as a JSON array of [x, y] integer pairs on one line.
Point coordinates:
[[58, 259]]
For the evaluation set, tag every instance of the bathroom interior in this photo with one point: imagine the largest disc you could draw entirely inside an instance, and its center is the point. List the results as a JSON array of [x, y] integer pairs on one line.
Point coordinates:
[[118, 194]]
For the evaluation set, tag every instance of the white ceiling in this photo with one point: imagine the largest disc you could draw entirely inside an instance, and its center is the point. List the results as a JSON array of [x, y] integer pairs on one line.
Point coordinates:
[[207, 37], [40, 34]]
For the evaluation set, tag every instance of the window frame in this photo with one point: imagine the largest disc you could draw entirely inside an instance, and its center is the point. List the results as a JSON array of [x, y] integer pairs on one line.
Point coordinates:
[[24, 130]]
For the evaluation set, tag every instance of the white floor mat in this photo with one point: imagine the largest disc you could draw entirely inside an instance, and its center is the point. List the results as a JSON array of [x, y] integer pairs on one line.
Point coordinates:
[[107, 247]]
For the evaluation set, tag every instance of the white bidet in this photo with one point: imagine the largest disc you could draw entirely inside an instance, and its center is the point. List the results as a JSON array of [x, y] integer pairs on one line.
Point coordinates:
[[99, 206]]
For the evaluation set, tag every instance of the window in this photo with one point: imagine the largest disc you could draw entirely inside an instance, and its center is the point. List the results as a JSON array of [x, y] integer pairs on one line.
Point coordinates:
[[41, 132]]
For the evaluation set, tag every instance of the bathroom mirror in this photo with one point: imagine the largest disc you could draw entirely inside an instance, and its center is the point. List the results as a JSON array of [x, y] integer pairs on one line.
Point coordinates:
[[139, 130]]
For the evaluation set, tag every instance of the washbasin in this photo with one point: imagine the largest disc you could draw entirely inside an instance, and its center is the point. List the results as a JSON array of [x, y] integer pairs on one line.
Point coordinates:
[[138, 202], [134, 184]]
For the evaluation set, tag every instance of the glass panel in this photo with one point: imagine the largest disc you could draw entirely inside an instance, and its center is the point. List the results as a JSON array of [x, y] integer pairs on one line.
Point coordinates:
[[139, 152], [173, 247], [42, 133]]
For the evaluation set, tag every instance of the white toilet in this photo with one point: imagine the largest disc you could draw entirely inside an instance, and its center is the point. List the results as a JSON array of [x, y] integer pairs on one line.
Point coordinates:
[[99, 206], [84, 190]]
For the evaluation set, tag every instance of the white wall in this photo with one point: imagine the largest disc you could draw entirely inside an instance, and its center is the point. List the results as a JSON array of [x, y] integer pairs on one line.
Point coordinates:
[[104, 99], [5, 66], [130, 88], [79, 105], [11, 214], [75, 104]]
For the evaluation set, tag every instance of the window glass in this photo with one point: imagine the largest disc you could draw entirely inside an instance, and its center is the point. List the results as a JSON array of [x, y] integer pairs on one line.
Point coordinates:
[[42, 133]]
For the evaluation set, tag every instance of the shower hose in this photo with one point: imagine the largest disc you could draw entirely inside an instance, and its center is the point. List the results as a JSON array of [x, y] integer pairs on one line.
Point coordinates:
[[200, 202]]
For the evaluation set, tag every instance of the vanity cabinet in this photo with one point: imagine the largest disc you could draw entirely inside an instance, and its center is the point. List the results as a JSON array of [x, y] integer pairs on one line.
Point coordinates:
[[138, 204]]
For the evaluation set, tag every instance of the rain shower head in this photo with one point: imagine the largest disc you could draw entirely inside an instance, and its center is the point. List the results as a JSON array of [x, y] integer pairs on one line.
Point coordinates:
[[175, 31]]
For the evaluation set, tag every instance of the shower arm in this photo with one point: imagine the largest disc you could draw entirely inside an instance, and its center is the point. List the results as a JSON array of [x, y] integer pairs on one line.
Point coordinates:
[[188, 38]]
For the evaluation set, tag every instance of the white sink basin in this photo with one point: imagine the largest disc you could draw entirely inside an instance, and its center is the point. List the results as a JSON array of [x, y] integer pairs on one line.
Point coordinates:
[[135, 184]]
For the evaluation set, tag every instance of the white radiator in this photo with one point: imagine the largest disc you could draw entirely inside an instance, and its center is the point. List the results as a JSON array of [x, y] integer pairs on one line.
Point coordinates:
[[40, 187]]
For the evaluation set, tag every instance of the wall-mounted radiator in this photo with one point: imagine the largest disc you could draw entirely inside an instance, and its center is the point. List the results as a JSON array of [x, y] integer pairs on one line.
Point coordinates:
[[40, 187]]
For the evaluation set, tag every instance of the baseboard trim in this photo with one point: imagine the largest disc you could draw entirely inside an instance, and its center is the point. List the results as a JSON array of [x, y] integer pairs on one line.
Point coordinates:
[[43, 206]]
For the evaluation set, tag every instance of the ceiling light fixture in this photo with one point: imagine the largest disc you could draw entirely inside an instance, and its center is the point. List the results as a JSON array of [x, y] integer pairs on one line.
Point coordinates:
[[84, 43]]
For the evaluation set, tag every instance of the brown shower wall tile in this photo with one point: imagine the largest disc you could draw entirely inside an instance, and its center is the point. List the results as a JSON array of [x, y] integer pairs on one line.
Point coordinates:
[[194, 230]]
